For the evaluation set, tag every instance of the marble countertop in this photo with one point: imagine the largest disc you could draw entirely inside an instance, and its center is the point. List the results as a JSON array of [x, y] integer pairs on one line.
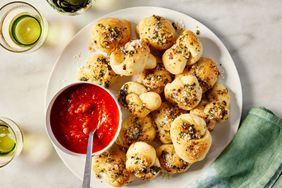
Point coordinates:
[[251, 30]]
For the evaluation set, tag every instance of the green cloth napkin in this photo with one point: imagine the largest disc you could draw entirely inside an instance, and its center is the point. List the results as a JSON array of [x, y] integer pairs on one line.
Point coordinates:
[[254, 157]]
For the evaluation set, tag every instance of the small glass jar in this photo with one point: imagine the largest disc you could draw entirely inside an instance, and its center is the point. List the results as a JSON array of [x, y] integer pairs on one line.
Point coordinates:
[[9, 14], [9, 133], [70, 7]]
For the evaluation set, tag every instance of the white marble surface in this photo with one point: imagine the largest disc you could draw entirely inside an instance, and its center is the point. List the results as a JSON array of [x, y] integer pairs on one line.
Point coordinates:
[[251, 30]]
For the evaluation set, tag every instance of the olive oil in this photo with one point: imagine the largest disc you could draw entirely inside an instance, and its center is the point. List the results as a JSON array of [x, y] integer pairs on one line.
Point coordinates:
[[70, 6]]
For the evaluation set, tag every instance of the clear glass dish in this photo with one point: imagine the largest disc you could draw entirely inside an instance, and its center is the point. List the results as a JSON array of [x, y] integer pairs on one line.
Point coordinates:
[[70, 7], [15, 134], [9, 13]]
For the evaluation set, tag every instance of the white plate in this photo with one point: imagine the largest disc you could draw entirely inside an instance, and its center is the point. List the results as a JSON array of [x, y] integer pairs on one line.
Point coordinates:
[[76, 53]]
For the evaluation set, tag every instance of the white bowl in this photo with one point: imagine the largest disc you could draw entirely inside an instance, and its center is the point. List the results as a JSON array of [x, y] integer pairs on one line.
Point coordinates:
[[51, 135]]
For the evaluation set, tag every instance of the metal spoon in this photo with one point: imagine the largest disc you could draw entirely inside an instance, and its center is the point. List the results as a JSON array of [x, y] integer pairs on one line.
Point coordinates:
[[88, 162]]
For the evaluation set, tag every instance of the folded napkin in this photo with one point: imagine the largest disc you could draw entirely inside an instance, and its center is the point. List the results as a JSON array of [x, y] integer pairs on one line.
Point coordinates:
[[254, 157]]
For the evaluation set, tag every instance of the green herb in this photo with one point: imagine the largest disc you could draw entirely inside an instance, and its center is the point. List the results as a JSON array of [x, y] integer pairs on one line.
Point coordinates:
[[174, 25], [107, 84], [157, 17], [122, 95], [155, 169], [83, 79]]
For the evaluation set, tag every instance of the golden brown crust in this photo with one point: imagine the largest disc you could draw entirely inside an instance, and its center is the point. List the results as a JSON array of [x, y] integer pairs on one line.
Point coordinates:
[[218, 108], [190, 137], [184, 91], [185, 52], [110, 166], [108, 34], [137, 100], [98, 70], [155, 79], [157, 31], [141, 159], [136, 129], [198, 148], [163, 117], [132, 58], [206, 72], [215, 107], [170, 161], [199, 111]]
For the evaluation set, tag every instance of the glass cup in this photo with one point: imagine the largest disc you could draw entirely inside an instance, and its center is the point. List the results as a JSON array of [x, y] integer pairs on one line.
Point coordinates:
[[11, 141], [70, 7], [22, 27]]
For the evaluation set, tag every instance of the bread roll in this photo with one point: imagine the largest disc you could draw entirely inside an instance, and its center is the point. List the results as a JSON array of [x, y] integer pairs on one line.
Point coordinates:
[[199, 111], [155, 79], [206, 72], [137, 100], [98, 70], [141, 159], [163, 117], [110, 166], [157, 31], [190, 137], [109, 34], [132, 58], [170, 161], [185, 52], [215, 107], [218, 108], [136, 129], [184, 91]]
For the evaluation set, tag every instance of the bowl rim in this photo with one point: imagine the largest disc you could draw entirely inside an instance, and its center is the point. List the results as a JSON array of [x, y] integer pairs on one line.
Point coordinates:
[[53, 138]]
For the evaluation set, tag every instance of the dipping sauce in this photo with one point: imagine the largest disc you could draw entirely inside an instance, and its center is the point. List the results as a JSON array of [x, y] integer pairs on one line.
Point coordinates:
[[77, 111]]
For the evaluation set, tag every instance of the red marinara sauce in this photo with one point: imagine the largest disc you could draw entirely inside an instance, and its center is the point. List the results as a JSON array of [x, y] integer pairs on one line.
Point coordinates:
[[77, 111]]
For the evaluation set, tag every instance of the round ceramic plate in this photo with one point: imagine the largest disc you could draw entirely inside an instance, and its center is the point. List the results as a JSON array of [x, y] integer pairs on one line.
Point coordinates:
[[76, 54]]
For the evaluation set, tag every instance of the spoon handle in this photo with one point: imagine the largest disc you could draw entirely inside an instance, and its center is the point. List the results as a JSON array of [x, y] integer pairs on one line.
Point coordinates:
[[87, 168]]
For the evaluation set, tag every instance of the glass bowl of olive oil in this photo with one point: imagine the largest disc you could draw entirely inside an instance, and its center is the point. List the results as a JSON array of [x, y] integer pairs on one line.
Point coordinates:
[[11, 141], [22, 27], [70, 7]]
